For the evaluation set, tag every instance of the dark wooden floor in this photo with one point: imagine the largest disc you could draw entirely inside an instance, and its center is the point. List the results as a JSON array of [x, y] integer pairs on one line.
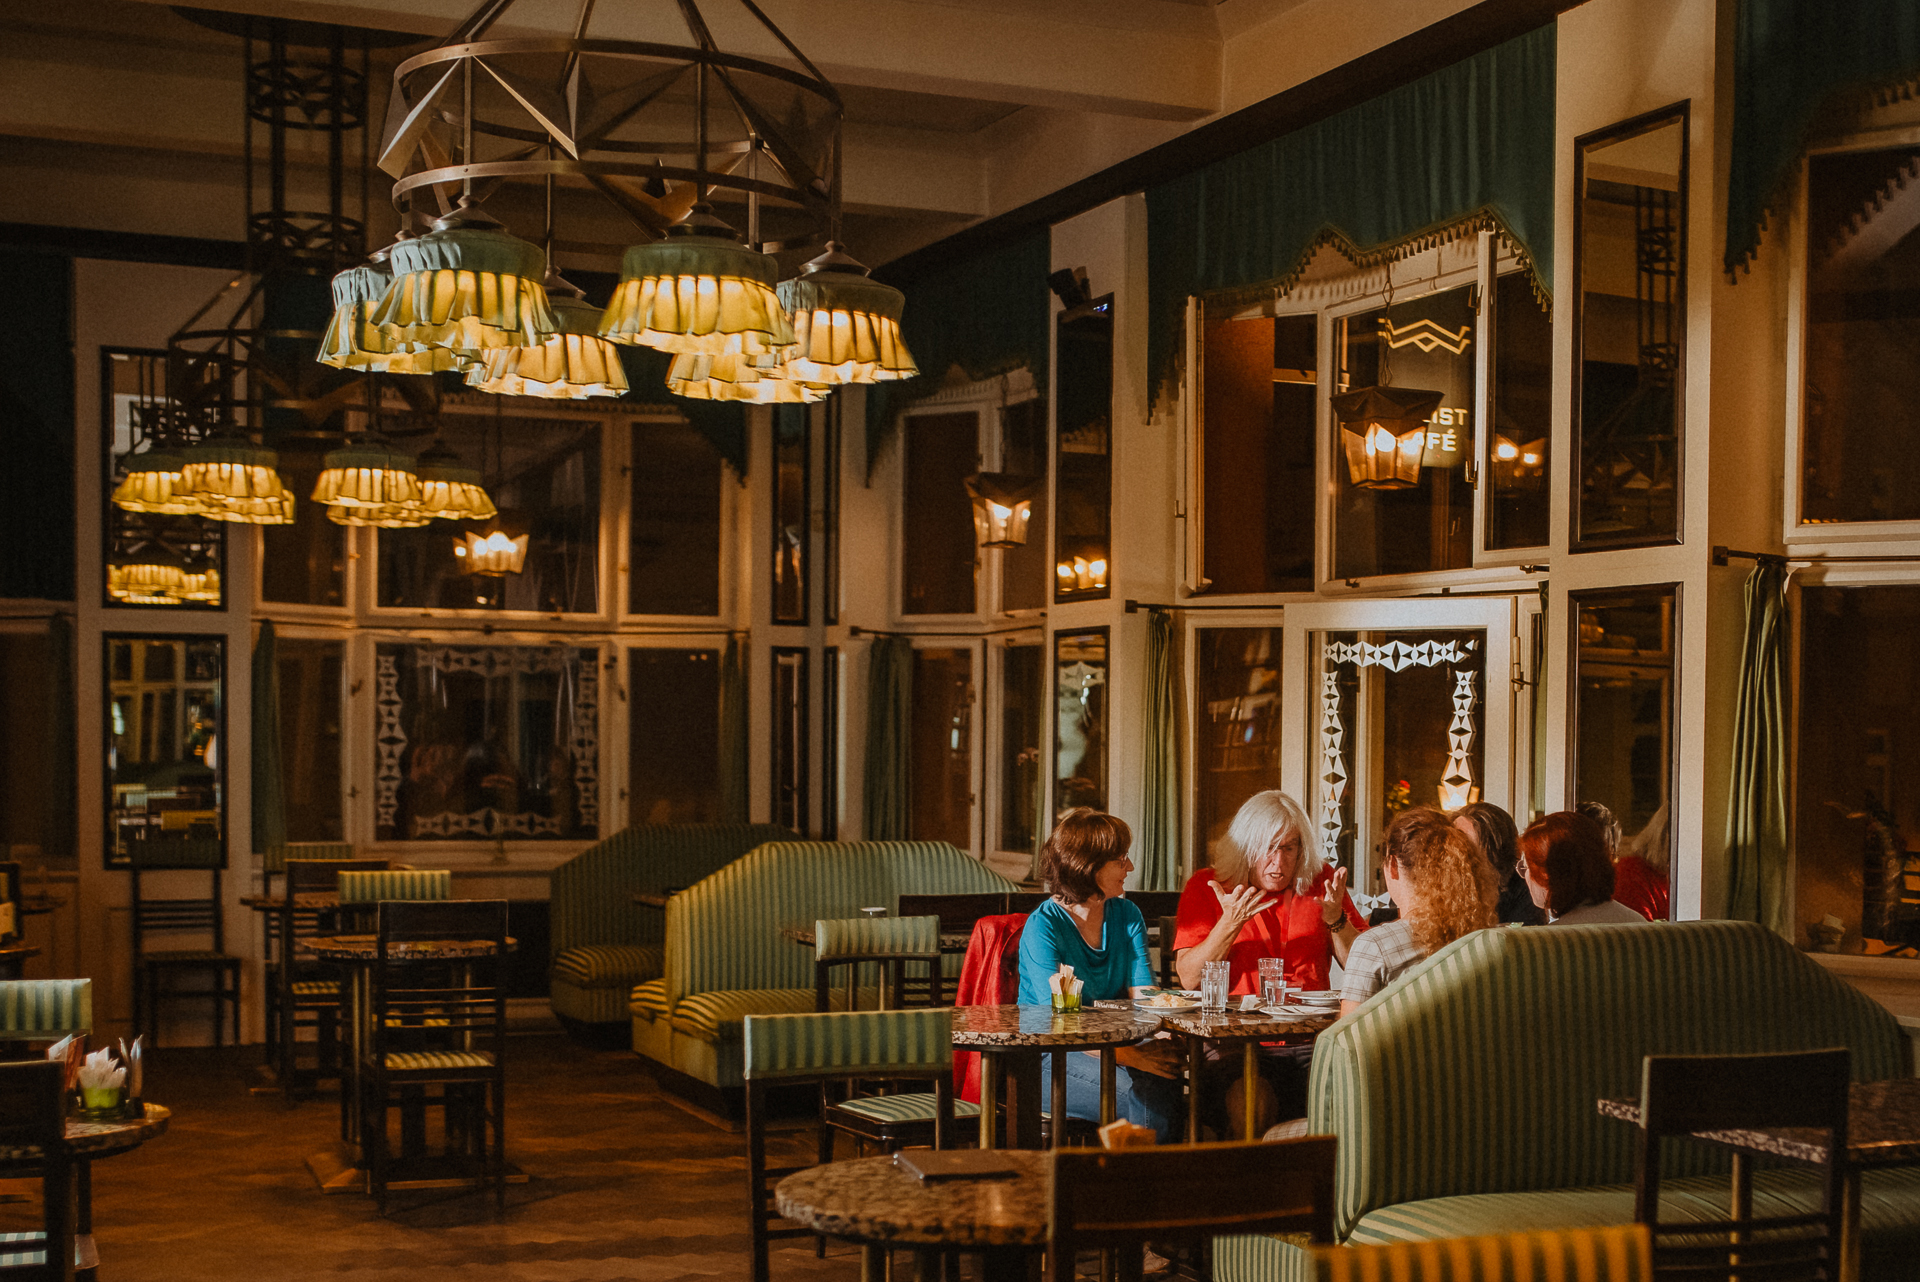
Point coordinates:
[[625, 1185]]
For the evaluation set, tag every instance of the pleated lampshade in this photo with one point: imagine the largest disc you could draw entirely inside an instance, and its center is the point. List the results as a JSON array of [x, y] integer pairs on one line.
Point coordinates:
[[449, 489], [368, 473], [235, 480], [846, 326], [152, 484], [354, 342], [733, 377], [200, 583], [700, 294], [153, 576], [394, 516], [571, 365], [466, 287]]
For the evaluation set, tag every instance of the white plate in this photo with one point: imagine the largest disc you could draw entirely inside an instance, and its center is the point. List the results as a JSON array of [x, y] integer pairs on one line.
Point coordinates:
[[1161, 1008], [1296, 1012], [1319, 997]]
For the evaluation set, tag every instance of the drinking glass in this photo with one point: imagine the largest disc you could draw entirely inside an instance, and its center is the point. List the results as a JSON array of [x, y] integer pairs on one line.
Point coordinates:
[[1213, 985], [1273, 981]]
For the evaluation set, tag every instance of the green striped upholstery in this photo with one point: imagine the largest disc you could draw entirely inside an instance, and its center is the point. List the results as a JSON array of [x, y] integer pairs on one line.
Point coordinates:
[[715, 1017], [589, 1005], [649, 1000], [1479, 1070], [273, 860], [723, 933], [868, 1042], [434, 1061], [876, 937], [618, 966], [51, 1008], [897, 1109], [1616, 1253], [592, 893], [395, 883]]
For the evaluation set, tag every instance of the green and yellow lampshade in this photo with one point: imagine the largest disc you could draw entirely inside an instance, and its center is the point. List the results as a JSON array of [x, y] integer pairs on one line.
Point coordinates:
[[235, 480], [152, 576], [152, 484], [449, 489], [571, 365], [698, 294], [846, 326], [354, 342], [395, 516], [200, 583], [465, 287], [369, 473], [733, 377]]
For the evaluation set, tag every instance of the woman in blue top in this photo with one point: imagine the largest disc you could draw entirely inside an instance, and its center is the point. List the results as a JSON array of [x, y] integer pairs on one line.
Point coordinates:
[[1089, 925]]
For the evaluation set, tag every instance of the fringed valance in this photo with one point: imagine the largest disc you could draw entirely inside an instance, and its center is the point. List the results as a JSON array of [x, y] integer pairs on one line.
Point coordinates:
[[1465, 148]]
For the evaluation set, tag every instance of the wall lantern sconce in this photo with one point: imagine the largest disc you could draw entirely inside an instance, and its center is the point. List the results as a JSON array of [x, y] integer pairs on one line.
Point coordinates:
[[496, 553], [1002, 507], [1383, 431], [1082, 575]]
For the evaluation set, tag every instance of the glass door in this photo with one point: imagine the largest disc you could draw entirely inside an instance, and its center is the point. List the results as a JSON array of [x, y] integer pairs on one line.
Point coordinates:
[[1404, 703]]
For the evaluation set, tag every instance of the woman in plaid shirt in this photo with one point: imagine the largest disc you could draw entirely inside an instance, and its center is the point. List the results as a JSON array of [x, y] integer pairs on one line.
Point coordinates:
[[1443, 887]]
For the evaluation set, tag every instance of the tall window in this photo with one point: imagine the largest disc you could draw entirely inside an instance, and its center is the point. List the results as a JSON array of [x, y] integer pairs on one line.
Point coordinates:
[[937, 550], [673, 541], [1238, 675], [491, 743], [1517, 458], [791, 442], [673, 736], [1022, 718], [1083, 410], [28, 770], [1079, 720], [309, 676], [943, 746], [1257, 389]]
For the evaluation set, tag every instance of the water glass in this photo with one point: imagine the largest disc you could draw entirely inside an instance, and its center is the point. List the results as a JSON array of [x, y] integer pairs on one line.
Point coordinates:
[[1273, 981], [1213, 985]]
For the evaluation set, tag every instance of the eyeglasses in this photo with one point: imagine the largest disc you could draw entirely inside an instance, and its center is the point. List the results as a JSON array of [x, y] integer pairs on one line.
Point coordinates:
[[1520, 866]]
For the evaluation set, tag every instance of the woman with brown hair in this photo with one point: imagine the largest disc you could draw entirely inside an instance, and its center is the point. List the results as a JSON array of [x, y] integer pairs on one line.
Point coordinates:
[[1564, 860], [1444, 888]]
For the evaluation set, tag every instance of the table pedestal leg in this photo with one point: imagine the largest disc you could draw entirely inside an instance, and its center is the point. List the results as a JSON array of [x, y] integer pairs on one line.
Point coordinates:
[[1023, 1091], [1850, 1226], [989, 1101], [1109, 1091], [1250, 1082], [873, 1262], [1194, 1060], [1059, 1104]]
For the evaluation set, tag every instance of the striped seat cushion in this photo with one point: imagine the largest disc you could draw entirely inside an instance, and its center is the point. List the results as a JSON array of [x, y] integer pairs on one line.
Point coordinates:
[[851, 937], [716, 1017], [609, 965], [56, 1006], [316, 988], [23, 1250], [1616, 1253], [421, 1061], [649, 1000], [896, 1109], [1889, 1212]]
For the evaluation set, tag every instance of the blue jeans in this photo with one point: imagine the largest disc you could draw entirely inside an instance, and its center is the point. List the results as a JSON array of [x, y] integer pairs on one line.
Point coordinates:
[[1141, 1098]]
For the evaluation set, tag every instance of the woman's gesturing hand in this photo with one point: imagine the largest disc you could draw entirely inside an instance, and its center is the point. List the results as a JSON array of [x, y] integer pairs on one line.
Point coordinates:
[[1241, 905], [1334, 899]]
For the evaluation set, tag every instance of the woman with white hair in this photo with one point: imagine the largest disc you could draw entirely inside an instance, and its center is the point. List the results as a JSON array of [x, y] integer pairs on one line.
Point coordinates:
[[1268, 894]]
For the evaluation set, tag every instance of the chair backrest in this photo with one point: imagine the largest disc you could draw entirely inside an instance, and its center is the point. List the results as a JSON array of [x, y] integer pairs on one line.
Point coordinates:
[[957, 913], [274, 859], [1155, 904], [890, 941], [170, 851], [413, 920], [429, 1004], [723, 932], [177, 914], [866, 1043], [1186, 1193], [591, 897], [395, 884], [33, 1113], [1553, 1021], [1685, 1094], [322, 875], [1617, 1253], [45, 1009]]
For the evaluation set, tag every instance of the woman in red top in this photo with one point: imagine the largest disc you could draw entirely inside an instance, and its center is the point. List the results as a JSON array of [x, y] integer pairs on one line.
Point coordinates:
[[1267, 895]]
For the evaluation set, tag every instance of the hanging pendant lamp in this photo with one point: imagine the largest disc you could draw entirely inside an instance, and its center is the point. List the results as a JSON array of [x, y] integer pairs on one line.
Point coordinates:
[[152, 484], [571, 365], [1383, 431], [354, 342], [449, 489], [235, 480], [154, 576], [372, 475], [733, 377], [200, 583], [465, 287], [699, 290], [846, 325], [396, 516]]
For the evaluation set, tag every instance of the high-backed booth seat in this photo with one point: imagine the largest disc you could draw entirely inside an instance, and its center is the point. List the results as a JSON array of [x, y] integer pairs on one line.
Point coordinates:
[[726, 957], [1464, 1095], [602, 942]]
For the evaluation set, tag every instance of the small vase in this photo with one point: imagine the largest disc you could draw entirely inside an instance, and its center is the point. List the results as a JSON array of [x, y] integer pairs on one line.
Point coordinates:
[[1066, 1001], [102, 1103]]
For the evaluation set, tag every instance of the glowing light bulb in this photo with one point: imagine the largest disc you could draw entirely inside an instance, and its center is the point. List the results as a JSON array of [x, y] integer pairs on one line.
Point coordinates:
[[1064, 570], [1506, 451], [1381, 441], [1531, 460]]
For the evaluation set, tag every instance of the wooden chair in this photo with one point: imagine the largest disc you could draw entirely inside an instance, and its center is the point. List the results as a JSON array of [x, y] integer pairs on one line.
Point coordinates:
[[437, 1023], [1185, 1194], [1616, 1253], [303, 993], [33, 1125], [1684, 1094], [822, 1050], [203, 917]]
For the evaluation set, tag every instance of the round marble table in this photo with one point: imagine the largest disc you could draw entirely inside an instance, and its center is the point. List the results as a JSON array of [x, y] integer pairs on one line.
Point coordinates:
[[1249, 1029], [366, 948], [1014, 1038], [881, 1206], [89, 1142]]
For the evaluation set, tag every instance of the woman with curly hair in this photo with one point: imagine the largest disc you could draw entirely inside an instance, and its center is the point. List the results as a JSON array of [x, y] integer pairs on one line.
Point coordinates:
[[1444, 888]]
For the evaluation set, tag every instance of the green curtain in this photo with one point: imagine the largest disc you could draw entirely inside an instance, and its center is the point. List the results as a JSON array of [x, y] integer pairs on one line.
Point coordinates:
[[1794, 60], [58, 832], [889, 795], [1757, 806], [735, 783], [1159, 838], [269, 780], [989, 314], [1470, 145]]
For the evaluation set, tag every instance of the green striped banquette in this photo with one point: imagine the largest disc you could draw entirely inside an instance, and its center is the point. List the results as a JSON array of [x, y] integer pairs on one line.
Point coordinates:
[[726, 957], [1465, 1095], [602, 942]]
